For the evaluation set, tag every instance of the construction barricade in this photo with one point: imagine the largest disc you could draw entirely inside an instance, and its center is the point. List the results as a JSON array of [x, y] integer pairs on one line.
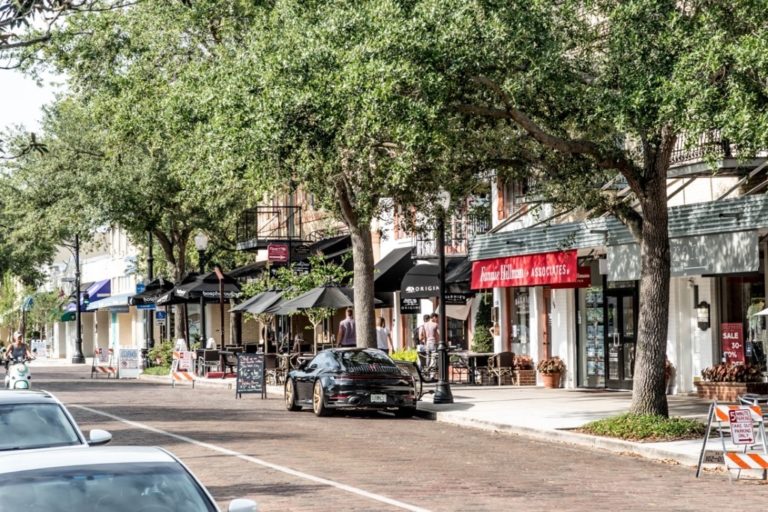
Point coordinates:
[[746, 448], [182, 367], [103, 363]]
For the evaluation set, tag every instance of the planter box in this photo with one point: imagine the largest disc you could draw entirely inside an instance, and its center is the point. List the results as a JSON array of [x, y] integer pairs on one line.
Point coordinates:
[[551, 380], [525, 377], [729, 391]]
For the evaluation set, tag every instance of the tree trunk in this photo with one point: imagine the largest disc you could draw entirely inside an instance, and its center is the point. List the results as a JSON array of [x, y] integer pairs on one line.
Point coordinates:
[[362, 256], [648, 389]]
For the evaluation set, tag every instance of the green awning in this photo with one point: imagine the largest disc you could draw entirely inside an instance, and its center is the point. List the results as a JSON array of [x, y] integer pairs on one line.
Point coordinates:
[[68, 316]]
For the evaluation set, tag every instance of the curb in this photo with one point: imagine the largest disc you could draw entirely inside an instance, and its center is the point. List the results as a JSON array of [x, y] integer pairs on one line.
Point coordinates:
[[564, 437], [229, 384]]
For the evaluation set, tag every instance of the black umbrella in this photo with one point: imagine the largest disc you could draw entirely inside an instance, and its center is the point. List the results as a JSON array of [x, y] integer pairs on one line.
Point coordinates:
[[170, 297], [153, 291], [332, 297], [207, 286], [259, 302]]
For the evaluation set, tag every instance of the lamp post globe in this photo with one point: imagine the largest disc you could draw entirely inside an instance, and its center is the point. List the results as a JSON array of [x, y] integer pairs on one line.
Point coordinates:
[[443, 394], [201, 244]]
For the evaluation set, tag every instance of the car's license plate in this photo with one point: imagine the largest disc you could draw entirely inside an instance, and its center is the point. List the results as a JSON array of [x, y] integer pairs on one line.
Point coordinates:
[[378, 399]]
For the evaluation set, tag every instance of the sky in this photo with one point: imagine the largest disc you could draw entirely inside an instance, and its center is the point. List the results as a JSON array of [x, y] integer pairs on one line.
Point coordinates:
[[21, 100]]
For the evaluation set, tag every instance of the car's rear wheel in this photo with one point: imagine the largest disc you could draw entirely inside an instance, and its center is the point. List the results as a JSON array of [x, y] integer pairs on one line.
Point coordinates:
[[405, 412], [290, 396], [318, 400]]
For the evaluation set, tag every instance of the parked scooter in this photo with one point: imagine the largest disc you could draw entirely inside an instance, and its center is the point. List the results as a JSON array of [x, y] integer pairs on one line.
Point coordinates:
[[18, 374]]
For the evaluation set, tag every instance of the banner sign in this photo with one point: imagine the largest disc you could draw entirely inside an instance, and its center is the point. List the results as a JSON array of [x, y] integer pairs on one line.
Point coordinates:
[[583, 279], [527, 270], [732, 335], [277, 253]]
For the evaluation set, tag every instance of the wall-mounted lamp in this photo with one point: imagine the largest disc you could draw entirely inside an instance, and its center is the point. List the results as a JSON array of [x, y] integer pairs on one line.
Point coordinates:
[[734, 215], [702, 315]]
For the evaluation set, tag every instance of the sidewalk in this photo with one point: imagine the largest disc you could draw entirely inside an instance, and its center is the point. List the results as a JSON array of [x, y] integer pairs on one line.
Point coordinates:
[[551, 414], [544, 414]]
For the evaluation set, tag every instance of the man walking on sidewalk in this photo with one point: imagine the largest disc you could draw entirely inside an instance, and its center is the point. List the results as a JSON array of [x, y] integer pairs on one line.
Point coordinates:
[[346, 337]]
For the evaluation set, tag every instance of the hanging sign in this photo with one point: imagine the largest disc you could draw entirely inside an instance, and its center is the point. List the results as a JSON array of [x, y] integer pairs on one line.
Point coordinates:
[[527, 270], [277, 253], [732, 335], [409, 306], [455, 299]]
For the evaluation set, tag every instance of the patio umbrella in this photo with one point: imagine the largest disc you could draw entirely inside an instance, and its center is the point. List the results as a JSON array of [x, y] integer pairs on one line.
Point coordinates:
[[207, 286], [153, 291], [170, 298], [258, 303], [332, 297]]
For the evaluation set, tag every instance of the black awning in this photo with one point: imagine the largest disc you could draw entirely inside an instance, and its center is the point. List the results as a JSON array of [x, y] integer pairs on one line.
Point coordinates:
[[250, 270], [421, 282], [458, 276], [388, 273]]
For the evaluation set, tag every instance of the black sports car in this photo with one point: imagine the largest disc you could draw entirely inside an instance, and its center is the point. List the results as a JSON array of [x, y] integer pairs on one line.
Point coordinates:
[[351, 378]]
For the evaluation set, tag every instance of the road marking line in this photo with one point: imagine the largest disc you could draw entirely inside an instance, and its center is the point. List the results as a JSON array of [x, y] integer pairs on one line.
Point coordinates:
[[260, 462]]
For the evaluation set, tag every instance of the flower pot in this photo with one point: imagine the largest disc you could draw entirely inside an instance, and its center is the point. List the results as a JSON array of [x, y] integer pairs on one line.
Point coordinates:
[[550, 380]]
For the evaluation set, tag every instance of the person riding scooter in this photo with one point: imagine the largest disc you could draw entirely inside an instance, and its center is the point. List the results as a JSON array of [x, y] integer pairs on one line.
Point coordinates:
[[16, 357]]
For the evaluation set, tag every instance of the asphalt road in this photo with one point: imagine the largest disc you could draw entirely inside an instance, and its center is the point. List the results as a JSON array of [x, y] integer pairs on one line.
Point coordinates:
[[373, 462]]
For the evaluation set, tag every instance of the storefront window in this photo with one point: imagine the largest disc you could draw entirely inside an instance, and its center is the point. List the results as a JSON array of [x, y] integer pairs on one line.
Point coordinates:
[[520, 318], [592, 357], [740, 299], [457, 332]]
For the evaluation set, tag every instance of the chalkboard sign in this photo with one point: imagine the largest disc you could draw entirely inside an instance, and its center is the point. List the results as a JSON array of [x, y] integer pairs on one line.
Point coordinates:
[[250, 374]]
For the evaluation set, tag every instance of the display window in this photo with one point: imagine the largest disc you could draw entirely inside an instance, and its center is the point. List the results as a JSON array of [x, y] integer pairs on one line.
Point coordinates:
[[741, 298], [520, 319], [592, 356]]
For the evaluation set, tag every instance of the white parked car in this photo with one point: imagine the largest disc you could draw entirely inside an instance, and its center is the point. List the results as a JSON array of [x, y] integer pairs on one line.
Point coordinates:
[[37, 419], [109, 479]]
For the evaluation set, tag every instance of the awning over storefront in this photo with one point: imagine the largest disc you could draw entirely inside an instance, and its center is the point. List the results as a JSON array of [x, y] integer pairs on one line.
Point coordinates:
[[118, 303], [722, 253], [388, 273], [527, 270], [96, 291], [421, 282]]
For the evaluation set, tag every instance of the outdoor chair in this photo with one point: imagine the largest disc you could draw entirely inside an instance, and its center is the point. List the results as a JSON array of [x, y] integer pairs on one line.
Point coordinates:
[[209, 359], [459, 367], [273, 375], [502, 365]]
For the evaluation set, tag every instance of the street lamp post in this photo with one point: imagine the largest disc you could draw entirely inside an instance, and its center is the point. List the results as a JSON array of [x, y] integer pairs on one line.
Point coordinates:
[[443, 393], [77, 357], [150, 276], [201, 244]]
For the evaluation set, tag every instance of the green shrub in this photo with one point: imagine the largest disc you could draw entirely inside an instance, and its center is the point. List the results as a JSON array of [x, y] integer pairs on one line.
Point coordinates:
[[406, 354], [642, 427], [157, 370], [482, 341], [161, 354]]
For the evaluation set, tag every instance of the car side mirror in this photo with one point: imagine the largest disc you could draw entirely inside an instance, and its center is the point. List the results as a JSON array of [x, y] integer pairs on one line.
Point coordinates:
[[240, 505], [97, 437]]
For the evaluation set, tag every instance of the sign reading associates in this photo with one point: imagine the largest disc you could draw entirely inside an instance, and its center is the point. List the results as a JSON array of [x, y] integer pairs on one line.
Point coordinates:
[[527, 270]]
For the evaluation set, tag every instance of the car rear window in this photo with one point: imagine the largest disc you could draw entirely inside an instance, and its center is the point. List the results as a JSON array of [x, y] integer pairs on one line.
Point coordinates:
[[123, 487], [26, 426], [368, 360]]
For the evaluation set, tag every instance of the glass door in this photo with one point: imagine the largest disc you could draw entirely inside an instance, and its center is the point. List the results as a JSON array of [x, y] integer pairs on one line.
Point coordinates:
[[620, 337]]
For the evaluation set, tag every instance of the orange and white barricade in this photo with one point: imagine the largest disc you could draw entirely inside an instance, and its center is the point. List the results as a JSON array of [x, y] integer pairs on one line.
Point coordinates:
[[747, 448], [182, 368], [103, 363]]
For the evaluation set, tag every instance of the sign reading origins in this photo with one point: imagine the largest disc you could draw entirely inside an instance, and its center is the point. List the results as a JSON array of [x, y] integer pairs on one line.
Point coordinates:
[[527, 270]]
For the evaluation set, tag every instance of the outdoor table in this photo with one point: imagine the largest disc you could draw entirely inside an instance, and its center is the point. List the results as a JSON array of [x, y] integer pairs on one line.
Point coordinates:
[[472, 358]]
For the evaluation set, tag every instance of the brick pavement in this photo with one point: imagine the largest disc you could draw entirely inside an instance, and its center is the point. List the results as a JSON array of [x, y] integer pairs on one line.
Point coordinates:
[[431, 465]]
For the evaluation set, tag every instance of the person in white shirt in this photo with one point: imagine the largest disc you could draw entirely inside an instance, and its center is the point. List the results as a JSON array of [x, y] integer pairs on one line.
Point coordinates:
[[383, 339]]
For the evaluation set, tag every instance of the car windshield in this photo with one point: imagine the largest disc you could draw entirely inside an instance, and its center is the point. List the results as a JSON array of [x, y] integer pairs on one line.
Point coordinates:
[[367, 360], [127, 487], [25, 426]]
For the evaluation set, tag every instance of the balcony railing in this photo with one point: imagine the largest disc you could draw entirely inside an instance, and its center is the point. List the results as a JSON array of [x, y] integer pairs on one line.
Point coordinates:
[[262, 225], [460, 231], [688, 150]]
